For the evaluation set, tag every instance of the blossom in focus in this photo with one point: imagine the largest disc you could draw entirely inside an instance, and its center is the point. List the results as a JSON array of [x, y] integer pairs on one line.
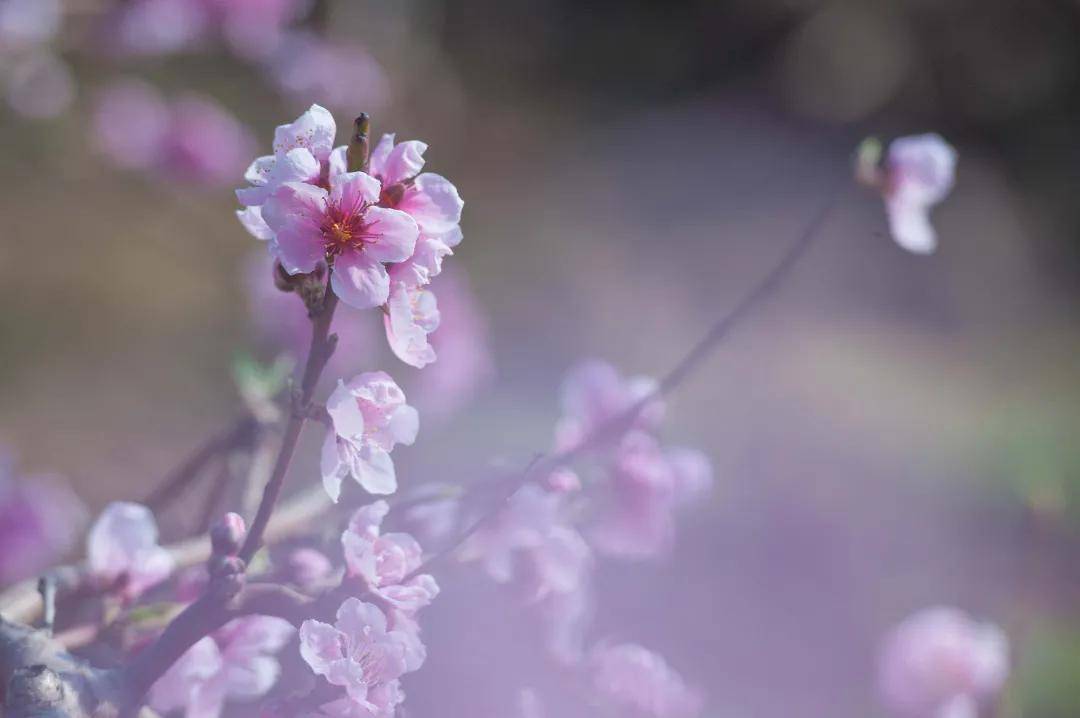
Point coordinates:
[[369, 417], [633, 679], [593, 394], [384, 560], [463, 346], [919, 173], [192, 139], [306, 66], [302, 151], [40, 519], [646, 485], [236, 662], [361, 654], [312, 225], [939, 663], [123, 547], [411, 315]]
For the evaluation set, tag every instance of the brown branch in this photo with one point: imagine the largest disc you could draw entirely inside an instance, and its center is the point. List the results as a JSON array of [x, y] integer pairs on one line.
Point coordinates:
[[241, 433]]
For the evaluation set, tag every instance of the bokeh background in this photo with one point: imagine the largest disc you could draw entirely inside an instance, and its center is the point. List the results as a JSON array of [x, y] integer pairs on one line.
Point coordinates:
[[889, 431]]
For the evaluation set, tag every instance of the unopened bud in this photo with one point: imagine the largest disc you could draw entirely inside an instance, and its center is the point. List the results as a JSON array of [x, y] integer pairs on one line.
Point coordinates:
[[228, 534], [282, 279], [359, 144]]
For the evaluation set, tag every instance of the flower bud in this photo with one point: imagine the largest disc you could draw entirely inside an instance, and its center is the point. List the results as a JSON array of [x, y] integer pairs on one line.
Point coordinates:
[[359, 145], [228, 534]]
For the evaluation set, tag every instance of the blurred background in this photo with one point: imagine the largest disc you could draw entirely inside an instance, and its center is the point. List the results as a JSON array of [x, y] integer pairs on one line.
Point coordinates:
[[889, 432]]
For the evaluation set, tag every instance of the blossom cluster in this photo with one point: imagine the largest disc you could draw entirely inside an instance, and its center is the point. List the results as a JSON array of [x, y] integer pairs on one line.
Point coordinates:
[[546, 538], [382, 233], [372, 642]]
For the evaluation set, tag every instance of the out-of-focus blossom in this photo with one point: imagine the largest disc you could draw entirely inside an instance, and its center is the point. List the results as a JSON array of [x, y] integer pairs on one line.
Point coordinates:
[[463, 346], [529, 540], [254, 29], [157, 27], [193, 139], [26, 23], [593, 394], [564, 618], [312, 225], [431, 511], [343, 76], [40, 519], [361, 654], [631, 678], [919, 172], [309, 568], [385, 560], [369, 417], [411, 315], [939, 663], [236, 662], [646, 485], [205, 143], [123, 547], [40, 86], [131, 121]]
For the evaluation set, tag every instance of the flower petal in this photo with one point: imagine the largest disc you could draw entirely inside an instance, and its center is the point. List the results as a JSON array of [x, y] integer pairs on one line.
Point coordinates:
[[314, 130], [376, 471], [359, 280], [345, 412], [434, 203], [320, 645], [395, 234]]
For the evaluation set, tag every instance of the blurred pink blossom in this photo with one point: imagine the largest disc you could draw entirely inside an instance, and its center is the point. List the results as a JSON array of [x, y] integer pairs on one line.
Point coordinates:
[[156, 27], [28, 23], [234, 663], [594, 393], [631, 678], [123, 546], [919, 173], [309, 568], [369, 417], [636, 514], [193, 139], [939, 663], [40, 519], [343, 76], [254, 29], [360, 654]]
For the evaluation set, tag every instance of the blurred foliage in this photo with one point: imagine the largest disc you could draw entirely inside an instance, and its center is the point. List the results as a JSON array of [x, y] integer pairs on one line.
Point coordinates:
[[1046, 684]]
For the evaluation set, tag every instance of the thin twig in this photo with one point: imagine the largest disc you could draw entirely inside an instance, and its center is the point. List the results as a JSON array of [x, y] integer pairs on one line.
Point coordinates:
[[616, 425]]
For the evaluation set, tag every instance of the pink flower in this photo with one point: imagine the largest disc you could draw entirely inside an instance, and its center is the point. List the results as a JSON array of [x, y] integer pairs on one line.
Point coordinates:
[[254, 29], [345, 227], [235, 663], [411, 315], [383, 561], [157, 27], [122, 546], [360, 654], [940, 663], [631, 678], [428, 198], [309, 568], [369, 417], [463, 346], [593, 394], [919, 174], [40, 519], [301, 152], [646, 485]]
